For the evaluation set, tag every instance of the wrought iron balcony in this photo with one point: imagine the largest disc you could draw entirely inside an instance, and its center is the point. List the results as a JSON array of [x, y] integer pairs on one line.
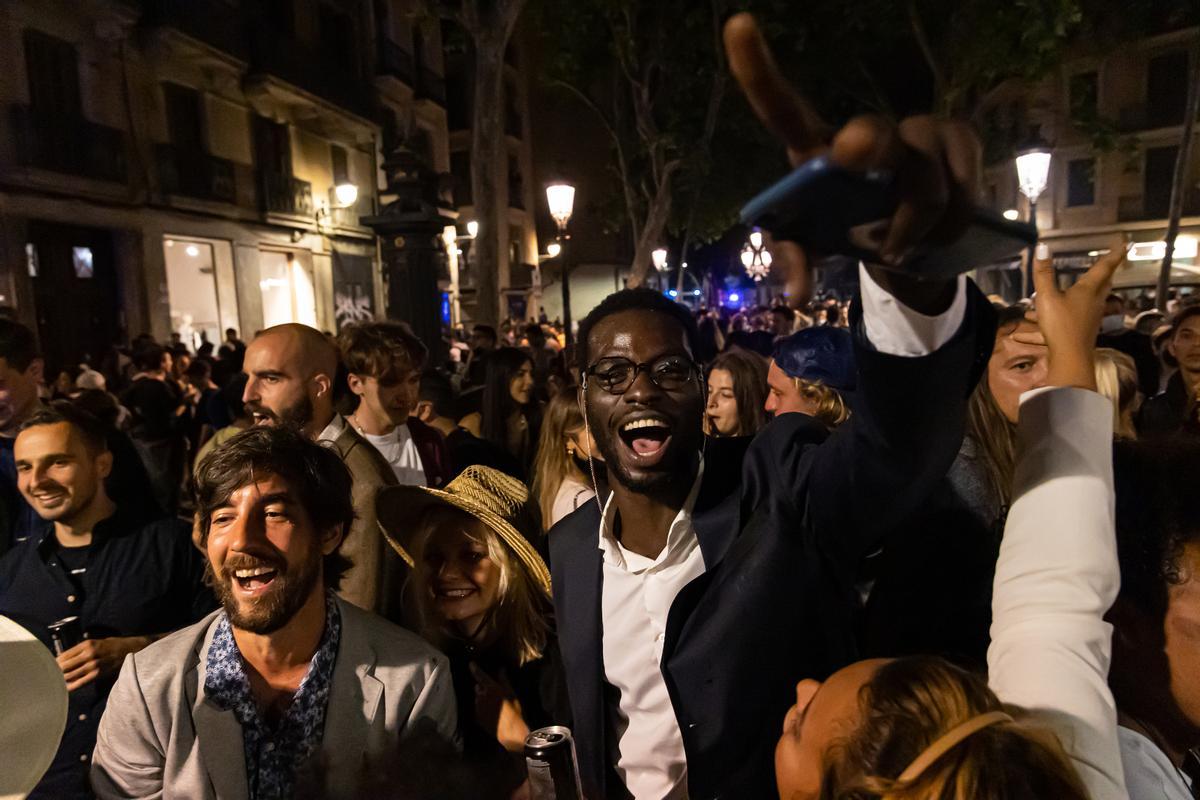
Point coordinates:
[[395, 61], [196, 174], [283, 194], [68, 143]]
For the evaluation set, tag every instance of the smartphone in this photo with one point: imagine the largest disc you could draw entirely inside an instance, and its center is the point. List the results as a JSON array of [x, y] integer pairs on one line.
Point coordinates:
[[835, 211]]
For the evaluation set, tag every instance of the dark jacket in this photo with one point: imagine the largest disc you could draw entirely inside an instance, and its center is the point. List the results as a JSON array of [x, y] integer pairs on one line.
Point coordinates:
[[1166, 413], [435, 455], [782, 534]]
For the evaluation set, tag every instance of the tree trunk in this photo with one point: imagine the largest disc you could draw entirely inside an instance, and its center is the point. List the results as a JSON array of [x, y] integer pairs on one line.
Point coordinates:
[[1179, 183], [490, 24], [487, 151], [652, 229]]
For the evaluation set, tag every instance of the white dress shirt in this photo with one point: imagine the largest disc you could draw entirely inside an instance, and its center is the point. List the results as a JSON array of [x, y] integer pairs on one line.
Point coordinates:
[[636, 598], [637, 592], [1056, 577], [399, 449]]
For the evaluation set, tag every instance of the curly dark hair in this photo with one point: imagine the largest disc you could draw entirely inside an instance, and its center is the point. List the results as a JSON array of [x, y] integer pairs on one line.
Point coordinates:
[[1157, 514], [634, 300], [321, 482]]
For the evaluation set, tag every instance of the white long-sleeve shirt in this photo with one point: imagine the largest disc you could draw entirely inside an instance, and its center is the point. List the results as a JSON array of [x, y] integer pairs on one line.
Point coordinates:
[[637, 592], [1056, 577]]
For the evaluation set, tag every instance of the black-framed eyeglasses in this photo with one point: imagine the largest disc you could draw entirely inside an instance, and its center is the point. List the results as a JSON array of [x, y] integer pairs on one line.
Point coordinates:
[[616, 375]]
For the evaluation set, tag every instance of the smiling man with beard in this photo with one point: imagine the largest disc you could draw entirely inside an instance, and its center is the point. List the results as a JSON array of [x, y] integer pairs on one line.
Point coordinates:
[[290, 373], [286, 676], [718, 574], [123, 577]]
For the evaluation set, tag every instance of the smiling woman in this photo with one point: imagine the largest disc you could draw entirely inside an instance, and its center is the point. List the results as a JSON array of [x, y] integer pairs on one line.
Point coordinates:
[[482, 593]]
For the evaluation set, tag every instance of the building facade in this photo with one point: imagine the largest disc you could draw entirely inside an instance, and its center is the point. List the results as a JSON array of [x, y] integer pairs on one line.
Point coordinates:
[[1115, 123], [194, 165]]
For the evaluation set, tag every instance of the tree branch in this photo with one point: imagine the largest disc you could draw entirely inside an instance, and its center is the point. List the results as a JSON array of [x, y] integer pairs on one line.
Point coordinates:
[[918, 29]]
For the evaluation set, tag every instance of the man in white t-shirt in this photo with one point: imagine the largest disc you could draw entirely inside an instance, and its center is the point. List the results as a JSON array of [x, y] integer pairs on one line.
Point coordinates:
[[383, 361]]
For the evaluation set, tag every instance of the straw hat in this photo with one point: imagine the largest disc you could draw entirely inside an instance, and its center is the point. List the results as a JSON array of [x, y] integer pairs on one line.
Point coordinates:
[[33, 695], [497, 500]]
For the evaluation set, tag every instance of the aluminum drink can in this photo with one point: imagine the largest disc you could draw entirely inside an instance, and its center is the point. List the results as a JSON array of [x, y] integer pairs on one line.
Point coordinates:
[[65, 634], [553, 768]]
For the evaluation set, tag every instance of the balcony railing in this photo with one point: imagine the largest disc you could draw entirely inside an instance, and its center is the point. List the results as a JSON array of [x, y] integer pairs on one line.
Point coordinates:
[[308, 68], [1135, 208], [395, 61], [196, 174], [430, 86], [283, 194], [68, 143]]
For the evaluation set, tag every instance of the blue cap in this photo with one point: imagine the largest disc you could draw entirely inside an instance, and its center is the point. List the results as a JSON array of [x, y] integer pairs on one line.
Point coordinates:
[[823, 354]]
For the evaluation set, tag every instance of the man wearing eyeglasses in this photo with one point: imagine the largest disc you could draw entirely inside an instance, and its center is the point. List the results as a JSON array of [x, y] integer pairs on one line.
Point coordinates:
[[721, 573]]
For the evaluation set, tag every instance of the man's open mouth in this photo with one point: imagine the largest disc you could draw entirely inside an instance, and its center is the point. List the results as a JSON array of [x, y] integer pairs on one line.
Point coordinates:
[[646, 439], [255, 579]]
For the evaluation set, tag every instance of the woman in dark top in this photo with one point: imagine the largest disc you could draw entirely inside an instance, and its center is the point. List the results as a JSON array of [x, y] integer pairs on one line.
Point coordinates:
[[482, 595], [509, 415]]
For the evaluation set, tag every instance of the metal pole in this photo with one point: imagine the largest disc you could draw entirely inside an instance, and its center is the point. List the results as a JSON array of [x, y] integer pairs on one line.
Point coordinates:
[[1028, 288], [566, 287]]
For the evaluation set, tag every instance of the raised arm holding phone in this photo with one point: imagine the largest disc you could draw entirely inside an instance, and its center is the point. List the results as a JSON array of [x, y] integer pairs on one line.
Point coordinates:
[[718, 575]]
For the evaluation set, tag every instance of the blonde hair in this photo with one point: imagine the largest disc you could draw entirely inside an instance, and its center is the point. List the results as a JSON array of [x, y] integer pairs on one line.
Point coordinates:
[[519, 622], [1117, 379], [907, 706], [831, 406], [995, 437], [553, 463]]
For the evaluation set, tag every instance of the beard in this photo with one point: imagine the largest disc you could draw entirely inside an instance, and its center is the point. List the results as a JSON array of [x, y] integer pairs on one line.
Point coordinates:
[[296, 416], [273, 609]]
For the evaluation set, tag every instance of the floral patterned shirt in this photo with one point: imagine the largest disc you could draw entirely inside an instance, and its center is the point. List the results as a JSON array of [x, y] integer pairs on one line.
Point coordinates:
[[274, 753]]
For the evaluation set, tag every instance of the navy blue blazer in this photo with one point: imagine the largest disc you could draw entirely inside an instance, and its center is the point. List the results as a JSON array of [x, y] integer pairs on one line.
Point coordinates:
[[782, 529]]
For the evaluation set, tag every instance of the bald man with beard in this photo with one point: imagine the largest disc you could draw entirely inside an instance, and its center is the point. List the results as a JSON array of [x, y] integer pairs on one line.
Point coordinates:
[[290, 373]]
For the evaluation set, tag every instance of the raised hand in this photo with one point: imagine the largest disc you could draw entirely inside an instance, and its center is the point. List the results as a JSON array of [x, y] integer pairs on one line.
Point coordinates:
[[937, 164], [1069, 320]]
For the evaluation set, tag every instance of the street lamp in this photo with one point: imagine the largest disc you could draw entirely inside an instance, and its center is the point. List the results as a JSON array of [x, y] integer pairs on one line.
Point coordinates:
[[345, 195], [755, 257], [1033, 172], [472, 229], [553, 249], [560, 197], [659, 256]]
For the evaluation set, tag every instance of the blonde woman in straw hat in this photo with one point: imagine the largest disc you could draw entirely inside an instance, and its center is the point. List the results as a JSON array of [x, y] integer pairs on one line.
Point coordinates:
[[482, 595]]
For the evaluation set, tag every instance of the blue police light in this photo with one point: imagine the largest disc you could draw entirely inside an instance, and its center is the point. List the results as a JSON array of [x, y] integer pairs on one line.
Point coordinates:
[[673, 293], [735, 298]]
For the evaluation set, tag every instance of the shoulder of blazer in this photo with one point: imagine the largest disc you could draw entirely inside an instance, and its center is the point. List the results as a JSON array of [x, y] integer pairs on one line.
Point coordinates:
[[172, 658], [575, 533], [361, 458], [365, 634]]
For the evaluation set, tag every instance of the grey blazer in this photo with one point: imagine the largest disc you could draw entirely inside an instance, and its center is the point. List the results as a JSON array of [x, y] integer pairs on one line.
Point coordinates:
[[161, 737]]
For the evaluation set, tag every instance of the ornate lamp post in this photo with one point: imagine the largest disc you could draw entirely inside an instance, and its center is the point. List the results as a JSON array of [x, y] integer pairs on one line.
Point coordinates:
[[560, 197]]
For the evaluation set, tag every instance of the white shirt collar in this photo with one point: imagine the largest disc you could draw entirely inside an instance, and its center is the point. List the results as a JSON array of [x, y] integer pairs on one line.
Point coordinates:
[[680, 535]]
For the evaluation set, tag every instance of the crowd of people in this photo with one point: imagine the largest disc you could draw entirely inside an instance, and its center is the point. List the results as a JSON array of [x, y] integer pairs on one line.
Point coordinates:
[[926, 546]]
